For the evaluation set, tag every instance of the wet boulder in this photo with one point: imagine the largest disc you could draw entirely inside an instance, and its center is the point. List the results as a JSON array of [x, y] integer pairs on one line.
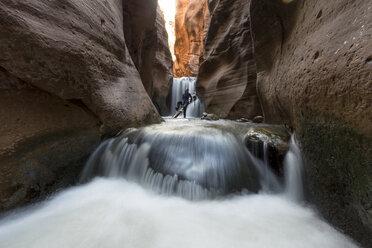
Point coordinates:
[[269, 143], [243, 120], [210, 117], [258, 119]]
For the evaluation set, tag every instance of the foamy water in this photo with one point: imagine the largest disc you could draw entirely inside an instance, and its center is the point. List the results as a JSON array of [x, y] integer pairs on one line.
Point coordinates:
[[142, 203], [110, 213]]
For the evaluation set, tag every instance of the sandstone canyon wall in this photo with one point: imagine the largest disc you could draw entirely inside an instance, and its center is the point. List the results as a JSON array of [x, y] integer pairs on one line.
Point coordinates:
[[147, 40], [162, 69], [140, 35], [309, 65], [227, 78], [314, 65], [191, 24], [66, 79]]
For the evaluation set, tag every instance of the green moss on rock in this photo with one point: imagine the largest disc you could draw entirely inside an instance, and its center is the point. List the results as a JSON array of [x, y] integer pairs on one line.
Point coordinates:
[[338, 165]]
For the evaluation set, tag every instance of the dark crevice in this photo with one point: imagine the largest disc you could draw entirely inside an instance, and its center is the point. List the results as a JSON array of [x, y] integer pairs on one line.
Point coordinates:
[[369, 61], [349, 61], [316, 55], [319, 14]]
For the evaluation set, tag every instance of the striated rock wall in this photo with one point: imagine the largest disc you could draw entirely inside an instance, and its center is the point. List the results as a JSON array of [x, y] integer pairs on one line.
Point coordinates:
[[140, 36], [227, 78], [66, 78], [162, 74], [44, 141], [314, 64], [311, 69], [147, 41], [75, 51], [192, 19]]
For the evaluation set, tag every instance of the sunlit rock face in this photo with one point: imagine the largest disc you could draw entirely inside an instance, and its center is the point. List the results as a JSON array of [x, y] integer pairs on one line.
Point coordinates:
[[192, 19], [314, 64], [227, 78], [66, 77]]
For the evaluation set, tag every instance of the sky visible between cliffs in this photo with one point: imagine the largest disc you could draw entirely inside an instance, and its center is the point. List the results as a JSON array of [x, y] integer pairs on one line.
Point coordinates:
[[169, 10]]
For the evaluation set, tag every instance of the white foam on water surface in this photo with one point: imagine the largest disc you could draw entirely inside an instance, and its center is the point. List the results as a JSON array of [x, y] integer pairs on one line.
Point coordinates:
[[114, 213]]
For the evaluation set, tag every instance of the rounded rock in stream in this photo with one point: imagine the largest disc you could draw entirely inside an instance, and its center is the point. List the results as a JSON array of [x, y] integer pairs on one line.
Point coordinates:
[[269, 143], [196, 161]]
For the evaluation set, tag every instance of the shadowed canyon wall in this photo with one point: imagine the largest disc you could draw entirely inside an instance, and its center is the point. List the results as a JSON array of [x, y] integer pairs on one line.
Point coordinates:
[[162, 74], [191, 24], [140, 36], [147, 40], [314, 65], [308, 65], [66, 78], [227, 78]]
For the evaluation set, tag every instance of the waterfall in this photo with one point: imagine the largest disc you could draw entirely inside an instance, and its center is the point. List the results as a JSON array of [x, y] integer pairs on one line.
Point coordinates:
[[192, 161], [196, 108], [293, 172], [184, 183], [269, 181], [293, 187]]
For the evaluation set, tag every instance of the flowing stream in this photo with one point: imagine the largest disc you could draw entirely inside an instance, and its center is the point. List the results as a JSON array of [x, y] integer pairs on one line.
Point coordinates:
[[182, 183]]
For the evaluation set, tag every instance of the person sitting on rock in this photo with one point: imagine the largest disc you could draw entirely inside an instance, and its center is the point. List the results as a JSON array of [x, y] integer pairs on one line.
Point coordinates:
[[186, 100]]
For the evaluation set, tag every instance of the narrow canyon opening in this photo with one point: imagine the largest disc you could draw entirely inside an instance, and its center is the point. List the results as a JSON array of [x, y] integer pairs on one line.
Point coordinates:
[[223, 82]]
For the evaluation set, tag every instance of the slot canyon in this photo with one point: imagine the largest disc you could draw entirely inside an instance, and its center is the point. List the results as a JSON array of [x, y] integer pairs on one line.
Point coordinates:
[[102, 146]]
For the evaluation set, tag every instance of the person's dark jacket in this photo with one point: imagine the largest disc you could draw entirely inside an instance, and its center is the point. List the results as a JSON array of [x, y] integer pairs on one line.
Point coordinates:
[[185, 99]]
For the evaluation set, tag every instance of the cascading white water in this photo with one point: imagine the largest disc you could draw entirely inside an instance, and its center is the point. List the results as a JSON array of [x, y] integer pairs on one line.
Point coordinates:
[[293, 172], [120, 211], [112, 213], [196, 108], [195, 161], [269, 182]]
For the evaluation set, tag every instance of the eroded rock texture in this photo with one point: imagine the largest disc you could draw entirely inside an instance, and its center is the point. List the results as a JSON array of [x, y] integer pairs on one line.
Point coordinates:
[[140, 36], [65, 70], [227, 78], [147, 41], [162, 69], [192, 19], [44, 141], [315, 73]]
